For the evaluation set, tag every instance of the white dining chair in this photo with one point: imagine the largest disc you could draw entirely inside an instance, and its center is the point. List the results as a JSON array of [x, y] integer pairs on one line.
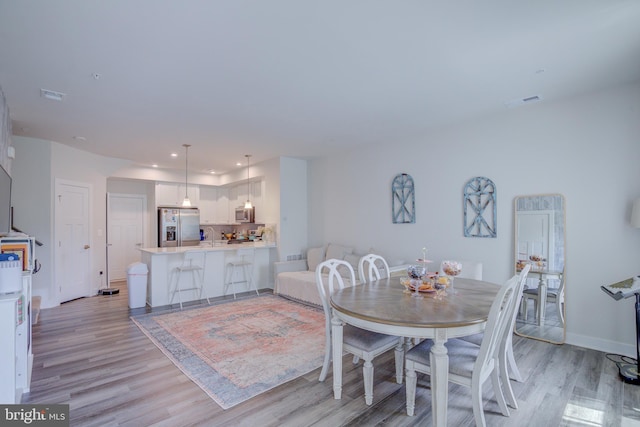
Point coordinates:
[[508, 365], [369, 268], [359, 342], [469, 365]]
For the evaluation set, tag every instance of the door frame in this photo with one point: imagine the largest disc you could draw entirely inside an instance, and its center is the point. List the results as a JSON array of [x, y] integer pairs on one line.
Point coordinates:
[[56, 234], [144, 225]]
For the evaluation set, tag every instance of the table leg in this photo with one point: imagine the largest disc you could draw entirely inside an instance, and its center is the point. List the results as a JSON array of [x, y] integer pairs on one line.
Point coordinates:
[[336, 338], [439, 378], [542, 302]]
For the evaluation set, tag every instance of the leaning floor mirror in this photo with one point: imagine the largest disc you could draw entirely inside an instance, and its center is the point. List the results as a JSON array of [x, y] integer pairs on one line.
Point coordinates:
[[540, 241]]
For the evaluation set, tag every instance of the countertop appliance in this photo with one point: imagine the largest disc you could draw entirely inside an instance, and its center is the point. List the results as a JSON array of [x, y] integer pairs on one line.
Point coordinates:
[[178, 227], [245, 215]]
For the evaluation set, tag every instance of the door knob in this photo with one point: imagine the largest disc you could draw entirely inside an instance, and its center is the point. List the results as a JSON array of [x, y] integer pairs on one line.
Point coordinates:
[[87, 246]]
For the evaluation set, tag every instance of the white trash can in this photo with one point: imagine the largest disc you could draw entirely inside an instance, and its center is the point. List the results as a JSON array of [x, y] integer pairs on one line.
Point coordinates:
[[137, 284]]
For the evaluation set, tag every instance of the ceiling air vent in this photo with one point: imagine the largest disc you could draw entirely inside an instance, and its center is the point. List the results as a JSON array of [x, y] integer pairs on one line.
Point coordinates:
[[52, 94], [523, 101]]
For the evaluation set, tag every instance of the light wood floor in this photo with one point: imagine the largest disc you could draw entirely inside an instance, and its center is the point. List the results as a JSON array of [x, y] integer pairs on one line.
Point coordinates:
[[88, 354]]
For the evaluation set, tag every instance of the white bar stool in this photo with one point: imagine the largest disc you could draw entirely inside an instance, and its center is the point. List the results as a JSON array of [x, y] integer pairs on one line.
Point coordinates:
[[193, 261], [241, 263]]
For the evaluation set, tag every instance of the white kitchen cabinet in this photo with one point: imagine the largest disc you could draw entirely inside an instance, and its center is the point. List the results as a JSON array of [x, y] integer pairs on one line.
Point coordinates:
[[233, 202], [172, 194], [193, 192], [257, 200], [208, 204], [222, 206]]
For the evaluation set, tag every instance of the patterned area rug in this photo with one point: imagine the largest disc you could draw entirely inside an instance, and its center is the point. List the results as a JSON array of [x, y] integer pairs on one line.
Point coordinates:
[[237, 350]]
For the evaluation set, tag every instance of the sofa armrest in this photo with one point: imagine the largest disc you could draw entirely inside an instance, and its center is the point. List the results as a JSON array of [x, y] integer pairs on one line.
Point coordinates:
[[296, 265], [398, 270]]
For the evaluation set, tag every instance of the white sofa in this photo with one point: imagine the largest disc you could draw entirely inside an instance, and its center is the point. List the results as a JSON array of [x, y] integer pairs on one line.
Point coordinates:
[[297, 279]]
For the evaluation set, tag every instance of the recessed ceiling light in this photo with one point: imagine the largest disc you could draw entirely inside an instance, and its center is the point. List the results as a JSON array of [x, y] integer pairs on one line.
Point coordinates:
[[155, 165], [52, 94], [238, 164], [212, 171], [174, 154]]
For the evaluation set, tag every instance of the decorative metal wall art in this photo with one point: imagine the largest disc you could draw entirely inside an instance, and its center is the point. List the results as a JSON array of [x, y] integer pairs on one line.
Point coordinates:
[[480, 208], [403, 203]]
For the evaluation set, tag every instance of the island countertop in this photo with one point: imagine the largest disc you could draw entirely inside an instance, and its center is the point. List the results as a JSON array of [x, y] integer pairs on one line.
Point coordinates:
[[207, 247], [163, 276]]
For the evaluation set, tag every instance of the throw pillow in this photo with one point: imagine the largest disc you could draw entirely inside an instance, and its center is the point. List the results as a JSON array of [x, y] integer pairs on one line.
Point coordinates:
[[314, 257], [337, 251], [353, 259]]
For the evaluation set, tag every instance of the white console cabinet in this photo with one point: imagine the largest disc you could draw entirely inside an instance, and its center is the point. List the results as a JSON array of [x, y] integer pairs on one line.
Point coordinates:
[[16, 357]]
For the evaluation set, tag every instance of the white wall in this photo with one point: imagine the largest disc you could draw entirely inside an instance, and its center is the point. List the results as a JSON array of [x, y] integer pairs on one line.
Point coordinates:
[[32, 207], [37, 165], [293, 224], [587, 148]]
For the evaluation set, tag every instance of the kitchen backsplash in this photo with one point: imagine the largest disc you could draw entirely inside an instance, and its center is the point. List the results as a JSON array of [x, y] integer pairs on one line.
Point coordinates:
[[217, 230]]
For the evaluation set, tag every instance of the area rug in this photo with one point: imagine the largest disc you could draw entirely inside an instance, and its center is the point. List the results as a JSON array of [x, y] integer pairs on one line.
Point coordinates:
[[237, 350]]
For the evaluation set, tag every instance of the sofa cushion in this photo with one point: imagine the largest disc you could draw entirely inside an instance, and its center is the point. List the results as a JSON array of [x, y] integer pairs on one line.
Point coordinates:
[[314, 257], [352, 259], [337, 251], [301, 286]]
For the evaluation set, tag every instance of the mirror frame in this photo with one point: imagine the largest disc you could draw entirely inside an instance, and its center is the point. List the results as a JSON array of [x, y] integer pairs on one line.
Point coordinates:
[[533, 274]]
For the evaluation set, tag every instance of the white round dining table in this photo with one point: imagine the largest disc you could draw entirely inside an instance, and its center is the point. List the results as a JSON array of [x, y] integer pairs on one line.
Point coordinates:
[[383, 306]]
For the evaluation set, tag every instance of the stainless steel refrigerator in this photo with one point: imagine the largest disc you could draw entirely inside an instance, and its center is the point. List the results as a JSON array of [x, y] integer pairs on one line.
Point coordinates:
[[178, 227]]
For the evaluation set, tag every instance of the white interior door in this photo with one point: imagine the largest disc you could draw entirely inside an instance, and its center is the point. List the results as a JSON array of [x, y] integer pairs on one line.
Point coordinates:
[[125, 225], [72, 240]]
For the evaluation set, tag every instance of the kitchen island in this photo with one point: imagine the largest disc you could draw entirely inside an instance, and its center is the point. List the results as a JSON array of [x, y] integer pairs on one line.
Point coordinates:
[[161, 263]]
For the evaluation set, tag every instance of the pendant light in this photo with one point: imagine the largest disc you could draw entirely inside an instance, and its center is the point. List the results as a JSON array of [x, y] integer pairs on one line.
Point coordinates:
[[247, 204], [186, 203]]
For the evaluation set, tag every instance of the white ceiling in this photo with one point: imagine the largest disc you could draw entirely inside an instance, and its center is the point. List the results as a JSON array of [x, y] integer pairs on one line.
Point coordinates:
[[292, 77]]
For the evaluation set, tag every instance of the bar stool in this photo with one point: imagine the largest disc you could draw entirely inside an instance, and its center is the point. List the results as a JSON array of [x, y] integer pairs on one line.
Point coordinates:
[[193, 262], [241, 263]]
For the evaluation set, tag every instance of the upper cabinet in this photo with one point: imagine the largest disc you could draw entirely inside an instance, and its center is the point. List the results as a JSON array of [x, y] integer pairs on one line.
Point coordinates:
[[217, 204], [208, 203], [257, 201], [172, 194], [238, 197], [222, 206]]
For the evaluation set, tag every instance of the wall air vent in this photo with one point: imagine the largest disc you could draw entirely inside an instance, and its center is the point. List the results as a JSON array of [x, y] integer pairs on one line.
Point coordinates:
[[52, 94], [518, 102]]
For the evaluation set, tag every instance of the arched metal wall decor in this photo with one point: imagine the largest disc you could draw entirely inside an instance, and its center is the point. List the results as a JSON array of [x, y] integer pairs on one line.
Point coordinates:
[[480, 208], [403, 204]]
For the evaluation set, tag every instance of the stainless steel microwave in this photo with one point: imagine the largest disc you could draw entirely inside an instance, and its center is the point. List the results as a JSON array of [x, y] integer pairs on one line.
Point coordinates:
[[245, 215]]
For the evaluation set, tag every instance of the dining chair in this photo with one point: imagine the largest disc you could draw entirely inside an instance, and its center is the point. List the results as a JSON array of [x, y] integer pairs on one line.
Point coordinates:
[[554, 295], [508, 366], [470, 365], [358, 342], [369, 268]]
